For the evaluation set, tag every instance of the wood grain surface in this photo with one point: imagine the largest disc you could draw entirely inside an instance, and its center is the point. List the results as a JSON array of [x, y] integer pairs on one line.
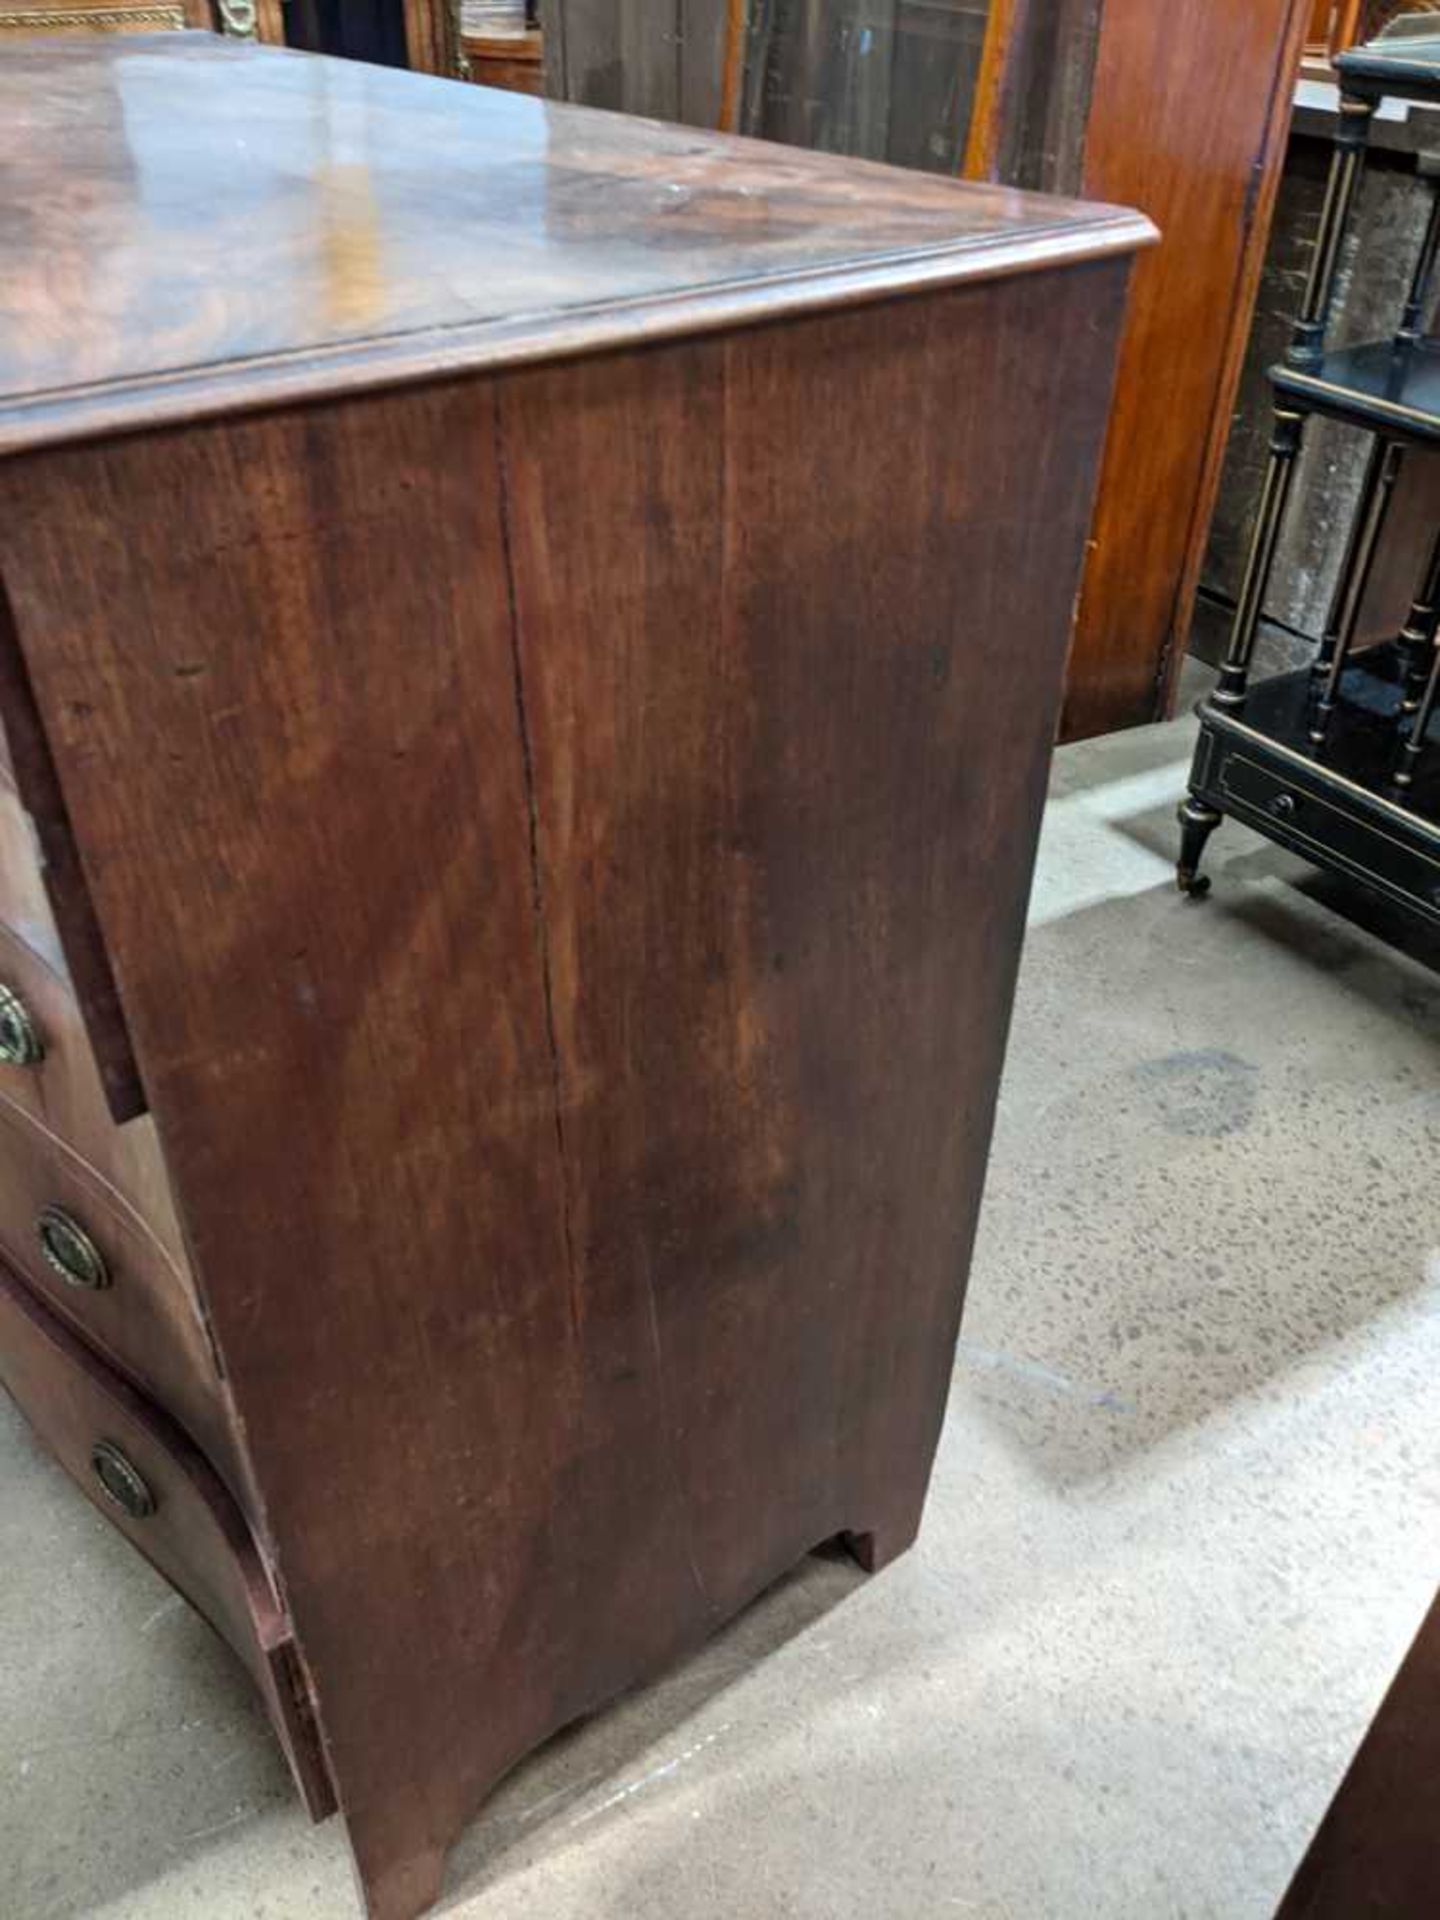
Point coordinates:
[[563, 841], [257, 225], [1188, 114]]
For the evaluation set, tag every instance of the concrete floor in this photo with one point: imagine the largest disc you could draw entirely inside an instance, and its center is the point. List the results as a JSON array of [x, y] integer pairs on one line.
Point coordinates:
[[1182, 1527]]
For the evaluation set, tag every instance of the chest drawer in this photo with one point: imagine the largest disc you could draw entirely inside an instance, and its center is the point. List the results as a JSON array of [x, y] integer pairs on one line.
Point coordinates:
[[98, 1264], [1381, 849], [142, 1473], [48, 1070]]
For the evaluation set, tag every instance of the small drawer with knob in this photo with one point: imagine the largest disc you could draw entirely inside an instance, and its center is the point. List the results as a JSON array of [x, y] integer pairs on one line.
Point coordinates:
[[98, 1264], [1363, 838], [129, 1458], [48, 1070]]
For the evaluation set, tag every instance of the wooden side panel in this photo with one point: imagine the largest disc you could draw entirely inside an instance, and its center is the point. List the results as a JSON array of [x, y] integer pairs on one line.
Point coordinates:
[[1188, 117], [288, 718], [575, 1054], [785, 843]]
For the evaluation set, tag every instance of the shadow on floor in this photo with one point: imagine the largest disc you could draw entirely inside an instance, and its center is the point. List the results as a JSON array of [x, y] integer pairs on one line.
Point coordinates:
[[139, 1735], [1247, 861], [930, 1804], [1213, 1156], [534, 1809], [175, 1798]]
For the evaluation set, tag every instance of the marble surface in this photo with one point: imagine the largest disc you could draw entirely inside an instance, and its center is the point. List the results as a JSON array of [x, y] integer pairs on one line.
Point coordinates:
[[1182, 1528]]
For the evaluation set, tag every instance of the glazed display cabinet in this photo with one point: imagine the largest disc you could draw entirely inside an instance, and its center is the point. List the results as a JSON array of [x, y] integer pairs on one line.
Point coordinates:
[[1339, 760]]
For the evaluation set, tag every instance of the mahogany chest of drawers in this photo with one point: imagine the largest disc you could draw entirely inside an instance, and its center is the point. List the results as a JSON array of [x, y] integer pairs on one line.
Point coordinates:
[[529, 652]]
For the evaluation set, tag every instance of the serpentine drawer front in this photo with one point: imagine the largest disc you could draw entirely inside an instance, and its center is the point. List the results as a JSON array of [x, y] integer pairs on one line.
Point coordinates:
[[513, 882], [98, 1264], [48, 1071]]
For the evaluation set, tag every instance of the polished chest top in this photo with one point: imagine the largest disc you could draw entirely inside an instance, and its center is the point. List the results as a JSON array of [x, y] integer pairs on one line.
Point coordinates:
[[193, 224]]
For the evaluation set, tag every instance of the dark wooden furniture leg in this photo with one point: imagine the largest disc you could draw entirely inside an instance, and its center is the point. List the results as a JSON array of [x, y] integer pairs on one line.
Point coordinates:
[[1197, 823]]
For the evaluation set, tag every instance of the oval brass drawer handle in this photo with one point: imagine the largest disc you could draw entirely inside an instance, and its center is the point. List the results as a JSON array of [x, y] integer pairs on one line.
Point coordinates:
[[122, 1480], [68, 1248], [20, 1044]]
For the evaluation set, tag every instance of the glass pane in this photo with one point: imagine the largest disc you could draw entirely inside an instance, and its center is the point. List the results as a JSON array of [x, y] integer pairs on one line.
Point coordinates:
[[884, 79], [878, 79]]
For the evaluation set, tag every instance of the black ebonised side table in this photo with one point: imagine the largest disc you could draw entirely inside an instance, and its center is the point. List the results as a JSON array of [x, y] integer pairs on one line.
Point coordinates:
[[1338, 760]]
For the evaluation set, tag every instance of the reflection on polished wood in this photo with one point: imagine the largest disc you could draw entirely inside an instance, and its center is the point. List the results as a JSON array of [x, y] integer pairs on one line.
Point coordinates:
[[255, 224]]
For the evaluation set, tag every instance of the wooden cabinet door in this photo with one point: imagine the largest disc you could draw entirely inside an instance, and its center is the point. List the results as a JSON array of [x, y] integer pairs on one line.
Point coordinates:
[[1182, 111], [1187, 119]]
